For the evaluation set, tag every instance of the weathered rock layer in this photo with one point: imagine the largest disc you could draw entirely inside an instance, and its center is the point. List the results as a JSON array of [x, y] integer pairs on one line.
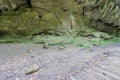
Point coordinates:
[[31, 17], [105, 14]]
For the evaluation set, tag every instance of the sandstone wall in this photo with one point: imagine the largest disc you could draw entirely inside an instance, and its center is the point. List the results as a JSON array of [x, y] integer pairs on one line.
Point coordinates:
[[60, 17]]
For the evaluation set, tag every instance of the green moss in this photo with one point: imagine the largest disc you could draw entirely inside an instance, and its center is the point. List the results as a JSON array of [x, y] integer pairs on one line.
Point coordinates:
[[76, 41], [52, 40]]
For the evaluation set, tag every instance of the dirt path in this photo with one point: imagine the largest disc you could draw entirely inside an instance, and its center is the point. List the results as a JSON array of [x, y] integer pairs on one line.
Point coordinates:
[[72, 63]]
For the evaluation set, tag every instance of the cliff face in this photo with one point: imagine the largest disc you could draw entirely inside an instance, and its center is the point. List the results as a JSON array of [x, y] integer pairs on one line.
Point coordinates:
[[31, 17], [104, 14]]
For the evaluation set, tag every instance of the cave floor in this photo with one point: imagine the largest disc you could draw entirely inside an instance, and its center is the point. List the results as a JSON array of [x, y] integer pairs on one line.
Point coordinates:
[[71, 63]]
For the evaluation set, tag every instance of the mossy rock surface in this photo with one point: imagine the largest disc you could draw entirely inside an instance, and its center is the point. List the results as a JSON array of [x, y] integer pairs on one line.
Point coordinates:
[[28, 18], [22, 24], [48, 17]]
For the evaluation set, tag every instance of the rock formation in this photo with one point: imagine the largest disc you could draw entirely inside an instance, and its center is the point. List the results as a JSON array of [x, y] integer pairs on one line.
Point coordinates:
[[104, 14], [59, 17]]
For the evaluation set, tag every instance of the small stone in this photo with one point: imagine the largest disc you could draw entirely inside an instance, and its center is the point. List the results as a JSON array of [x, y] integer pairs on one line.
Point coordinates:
[[45, 46], [72, 78], [107, 53], [61, 48], [104, 73], [32, 69], [32, 56], [94, 44], [77, 71], [30, 51], [60, 78], [16, 79]]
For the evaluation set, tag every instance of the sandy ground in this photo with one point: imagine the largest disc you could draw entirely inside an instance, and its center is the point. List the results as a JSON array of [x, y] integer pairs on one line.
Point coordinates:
[[71, 63]]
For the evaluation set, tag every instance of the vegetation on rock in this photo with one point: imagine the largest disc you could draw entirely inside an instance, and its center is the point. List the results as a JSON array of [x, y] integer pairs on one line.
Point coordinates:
[[25, 19]]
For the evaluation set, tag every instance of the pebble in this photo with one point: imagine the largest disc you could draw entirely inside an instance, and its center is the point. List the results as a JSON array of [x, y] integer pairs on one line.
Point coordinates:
[[17, 79], [30, 51], [107, 53], [104, 73], [32, 56], [72, 78], [45, 46], [61, 48], [32, 69], [60, 78]]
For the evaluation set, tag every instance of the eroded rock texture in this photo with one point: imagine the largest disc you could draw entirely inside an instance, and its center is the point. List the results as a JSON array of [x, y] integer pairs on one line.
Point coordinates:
[[105, 14]]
